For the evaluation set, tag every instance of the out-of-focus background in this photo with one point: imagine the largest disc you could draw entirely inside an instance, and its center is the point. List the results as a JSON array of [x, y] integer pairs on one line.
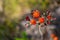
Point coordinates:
[[13, 11]]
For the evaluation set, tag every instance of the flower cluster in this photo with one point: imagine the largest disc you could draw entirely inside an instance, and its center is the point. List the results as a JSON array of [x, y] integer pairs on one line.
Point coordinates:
[[41, 18]]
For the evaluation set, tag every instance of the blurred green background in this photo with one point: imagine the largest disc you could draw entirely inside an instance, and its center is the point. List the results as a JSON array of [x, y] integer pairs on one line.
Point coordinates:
[[12, 12]]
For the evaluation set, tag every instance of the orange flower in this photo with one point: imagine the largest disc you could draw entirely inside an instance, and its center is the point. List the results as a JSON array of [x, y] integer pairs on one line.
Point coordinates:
[[41, 20], [55, 38], [52, 35], [49, 17], [36, 14], [33, 21]]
